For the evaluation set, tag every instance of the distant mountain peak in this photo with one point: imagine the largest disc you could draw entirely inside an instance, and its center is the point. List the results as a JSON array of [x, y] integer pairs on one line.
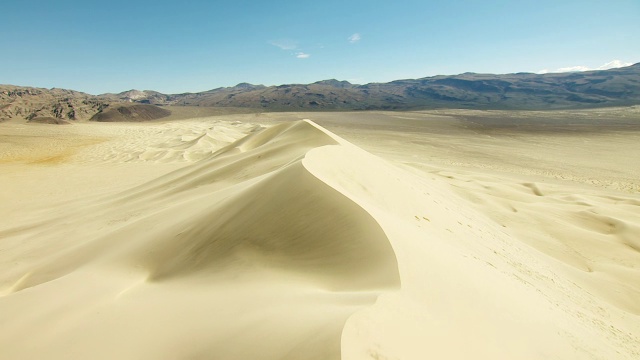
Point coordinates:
[[245, 85], [133, 94], [334, 82]]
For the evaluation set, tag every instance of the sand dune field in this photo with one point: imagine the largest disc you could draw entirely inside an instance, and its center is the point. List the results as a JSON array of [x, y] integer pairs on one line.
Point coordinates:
[[443, 234]]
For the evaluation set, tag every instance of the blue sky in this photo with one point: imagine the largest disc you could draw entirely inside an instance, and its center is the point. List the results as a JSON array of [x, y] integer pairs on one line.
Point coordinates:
[[181, 46]]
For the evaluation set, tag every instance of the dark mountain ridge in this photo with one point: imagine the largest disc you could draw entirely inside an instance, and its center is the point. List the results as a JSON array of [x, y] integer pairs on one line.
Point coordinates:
[[522, 91]]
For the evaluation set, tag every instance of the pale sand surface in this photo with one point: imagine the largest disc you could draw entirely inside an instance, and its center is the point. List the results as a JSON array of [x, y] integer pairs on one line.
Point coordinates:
[[442, 234]]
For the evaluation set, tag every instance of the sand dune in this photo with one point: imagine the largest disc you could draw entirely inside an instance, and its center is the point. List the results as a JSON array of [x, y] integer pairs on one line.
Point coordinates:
[[231, 229], [288, 242]]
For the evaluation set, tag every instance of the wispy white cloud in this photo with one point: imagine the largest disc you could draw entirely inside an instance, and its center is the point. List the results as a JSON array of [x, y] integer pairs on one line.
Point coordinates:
[[613, 65], [610, 65], [284, 44], [572, 69], [288, 44], [354, 38]]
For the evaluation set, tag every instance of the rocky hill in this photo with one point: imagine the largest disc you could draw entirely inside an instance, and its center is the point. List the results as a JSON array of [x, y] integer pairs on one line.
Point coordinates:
[[58, 105], [132, 113], [615, 87]]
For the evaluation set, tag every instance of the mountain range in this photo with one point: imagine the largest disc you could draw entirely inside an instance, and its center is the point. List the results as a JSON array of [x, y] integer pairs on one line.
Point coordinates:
[[522, 91]]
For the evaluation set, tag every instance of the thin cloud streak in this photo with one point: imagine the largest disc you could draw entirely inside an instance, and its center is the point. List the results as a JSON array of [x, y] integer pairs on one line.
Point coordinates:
[[354, 38], [284, 44], [302, 55]]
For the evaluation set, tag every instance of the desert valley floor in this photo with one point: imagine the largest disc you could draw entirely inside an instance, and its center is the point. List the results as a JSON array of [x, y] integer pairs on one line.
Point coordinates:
[[448, 234]]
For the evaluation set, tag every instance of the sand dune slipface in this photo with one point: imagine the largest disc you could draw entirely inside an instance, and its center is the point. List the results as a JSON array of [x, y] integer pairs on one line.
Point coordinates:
[[245, 254]]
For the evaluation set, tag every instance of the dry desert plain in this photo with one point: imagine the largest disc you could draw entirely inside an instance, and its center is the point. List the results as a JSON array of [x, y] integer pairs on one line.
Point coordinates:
[[446, 234]]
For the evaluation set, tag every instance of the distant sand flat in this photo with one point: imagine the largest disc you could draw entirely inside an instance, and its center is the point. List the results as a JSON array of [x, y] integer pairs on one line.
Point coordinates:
[[426, 235]]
